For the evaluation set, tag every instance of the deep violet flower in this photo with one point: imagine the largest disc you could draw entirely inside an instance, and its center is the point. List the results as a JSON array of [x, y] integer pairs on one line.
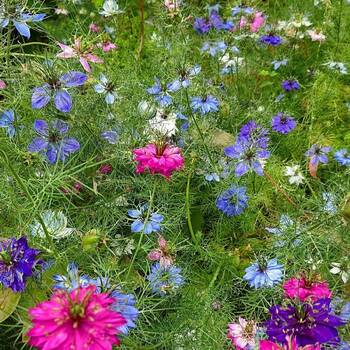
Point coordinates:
[[161, 92], [17, 261], [283, 123], [71, 320], [161, 159], [20, 20], [309, 323], [205, 104], [253, 133], [165, 279], [233, 201], [57, 88], [264, 273], [290, 85], [201, 25], [304, 290], [52, 142], [318, 154], [272, 40], [342, 157]]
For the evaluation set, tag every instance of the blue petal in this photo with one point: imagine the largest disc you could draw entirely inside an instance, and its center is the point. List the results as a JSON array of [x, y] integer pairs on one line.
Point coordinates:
[[134, 213], [137, 226], [4, 22], [63, 101], [22, 28], [110, 98], [37, 145], [73, 79], [40, 97]]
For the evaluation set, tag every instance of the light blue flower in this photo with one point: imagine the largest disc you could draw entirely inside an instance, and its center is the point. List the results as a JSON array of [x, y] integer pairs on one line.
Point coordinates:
[[278, 64], [215, 48], [342, 157], [142, 223], [264, 274], [72, 280], [161, 92], [7, 121], [20, 20], [329, 205], [107, 88], [205, 104]]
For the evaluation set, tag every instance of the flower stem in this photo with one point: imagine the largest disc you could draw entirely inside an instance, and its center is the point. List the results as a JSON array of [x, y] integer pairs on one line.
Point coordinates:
[[188, 211], [8, 47], [142, 30]]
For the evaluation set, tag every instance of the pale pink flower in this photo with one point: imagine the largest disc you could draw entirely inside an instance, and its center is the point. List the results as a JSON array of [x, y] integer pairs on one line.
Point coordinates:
[[258, 22], [108, 46], [172, 5], [2, 84], [94, 28], [81, 319], [242, 334], [161, 159], [305, 290], [161, 253], [61, 11], [85, 56], [316, 35], [291, 345]]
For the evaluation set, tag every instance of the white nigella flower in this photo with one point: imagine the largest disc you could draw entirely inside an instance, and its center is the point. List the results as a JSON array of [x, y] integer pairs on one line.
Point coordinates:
[[231, 64], [107, 88], [339, 66], [145, 108], [110, 8], [55, 223], [343, 271], [294, 174], [163, 123]]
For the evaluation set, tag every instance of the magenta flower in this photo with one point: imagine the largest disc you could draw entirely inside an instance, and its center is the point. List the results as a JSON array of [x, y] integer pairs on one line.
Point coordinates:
[[81, 319], [290, 345], [85, 56], [161, 159], [2, 84]]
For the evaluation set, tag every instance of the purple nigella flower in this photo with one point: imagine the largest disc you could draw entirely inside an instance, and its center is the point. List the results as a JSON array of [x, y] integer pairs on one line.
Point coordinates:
[[263, 274], [161, 92], [20, 20], [252, 132], [309, 323], [216, 21], [233, 201], [57, 88], [270, 39], [201, 25], [342, 157], [283, 123], [51, 140], [165, 279], [290, 85], [205, 104], [16, 263], [318, 154]]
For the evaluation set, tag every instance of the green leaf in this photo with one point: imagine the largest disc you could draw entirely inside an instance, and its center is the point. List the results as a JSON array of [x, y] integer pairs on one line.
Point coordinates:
[[8, 302]]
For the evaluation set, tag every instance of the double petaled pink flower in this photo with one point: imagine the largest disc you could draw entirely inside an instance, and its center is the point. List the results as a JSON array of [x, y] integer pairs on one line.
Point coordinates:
[[291, 345], [2, 84], [161, 159], [304, 290], [161, 253], [242, 334], [257, 21], [81, 319], [85, 56]]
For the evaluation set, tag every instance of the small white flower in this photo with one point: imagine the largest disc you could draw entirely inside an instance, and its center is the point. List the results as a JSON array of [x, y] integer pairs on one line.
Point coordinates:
[[337, 268], [56, 224], [145, 108], [294, 174], [316, 36], [110, 8], [163, 123]]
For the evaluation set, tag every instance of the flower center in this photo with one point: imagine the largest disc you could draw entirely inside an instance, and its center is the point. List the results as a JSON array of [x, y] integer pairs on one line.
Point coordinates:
[[54, 136], [77, 311]]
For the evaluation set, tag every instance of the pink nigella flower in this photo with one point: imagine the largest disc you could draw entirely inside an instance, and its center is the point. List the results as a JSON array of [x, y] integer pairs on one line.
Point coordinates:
[[81, 319], [2, 84], [258, 22], [161, 254], [291, 345], [94, 28], [161, 159], [242, 334], [105, 169], [107, 46], [85, 56], [305, 290]]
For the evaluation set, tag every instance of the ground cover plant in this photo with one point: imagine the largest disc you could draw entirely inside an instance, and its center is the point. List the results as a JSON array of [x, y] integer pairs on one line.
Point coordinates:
[[174, 175]]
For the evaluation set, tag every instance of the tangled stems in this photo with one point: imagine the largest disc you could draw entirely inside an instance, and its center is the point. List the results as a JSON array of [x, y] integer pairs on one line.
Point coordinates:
[[188, 211], [142, 232], [25, 190]]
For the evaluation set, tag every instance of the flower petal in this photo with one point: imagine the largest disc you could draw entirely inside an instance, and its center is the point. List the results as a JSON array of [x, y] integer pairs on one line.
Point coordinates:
[[38, 144], [73, 79], [63, 101], [40, 97], [22, 28]]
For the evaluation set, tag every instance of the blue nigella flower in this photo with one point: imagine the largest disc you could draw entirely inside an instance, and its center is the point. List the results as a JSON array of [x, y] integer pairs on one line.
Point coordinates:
[[233, 201], [205, 104], [111, 136], [277, 64], [241, 10], [290, 85], [341, 308], [272, 40], [161, 92], [318, 154], [218, 47], [165, 279], [283, 123], [201, 25], [20, 20], [17, 261], [57, 88], [329, 205], [284, 230], [342, 157], [140, 224], [125, 305], [107, 88], [186, 74], [264, 274], [217, 22], [7, 121], [72, 280], [52, 142], [212, 177]]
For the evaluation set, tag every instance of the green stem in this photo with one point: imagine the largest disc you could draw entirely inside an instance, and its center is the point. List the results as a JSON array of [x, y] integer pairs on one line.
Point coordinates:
[[142, 233], [8, 48], [25, 190], [188, 210]]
